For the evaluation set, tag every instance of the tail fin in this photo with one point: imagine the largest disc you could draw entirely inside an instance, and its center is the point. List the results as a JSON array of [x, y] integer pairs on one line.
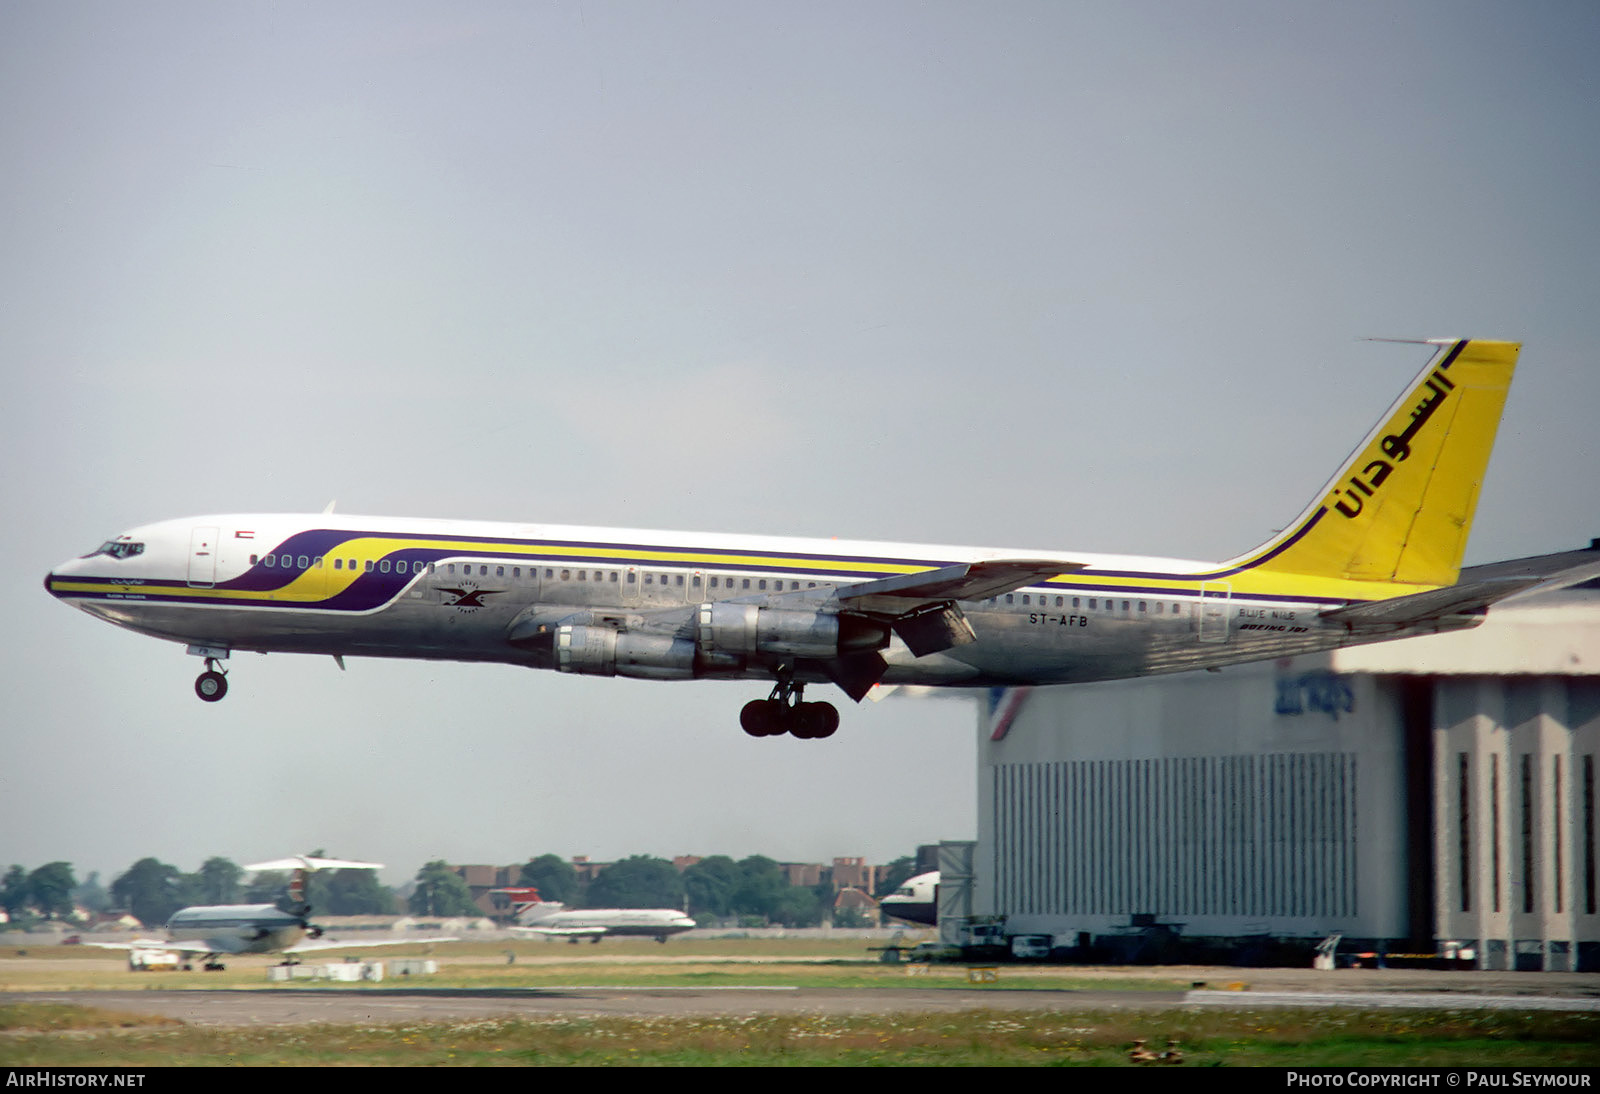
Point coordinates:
[[300, 867], [297, 890], [1400, 509]]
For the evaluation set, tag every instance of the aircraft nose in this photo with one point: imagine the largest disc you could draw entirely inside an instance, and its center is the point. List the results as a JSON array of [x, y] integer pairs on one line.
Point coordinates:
[[57, 577]]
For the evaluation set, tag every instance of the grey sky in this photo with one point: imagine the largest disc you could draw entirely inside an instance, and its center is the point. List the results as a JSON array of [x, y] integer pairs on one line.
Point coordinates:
[[1078, 276]]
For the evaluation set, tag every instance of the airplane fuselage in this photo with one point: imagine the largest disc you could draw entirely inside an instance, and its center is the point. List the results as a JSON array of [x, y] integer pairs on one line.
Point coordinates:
[[387, 587], [237, 928], [657, 923]]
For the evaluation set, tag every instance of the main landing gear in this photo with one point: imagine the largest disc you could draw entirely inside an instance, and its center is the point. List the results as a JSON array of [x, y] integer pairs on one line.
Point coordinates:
[[784, 712], [212, 684]]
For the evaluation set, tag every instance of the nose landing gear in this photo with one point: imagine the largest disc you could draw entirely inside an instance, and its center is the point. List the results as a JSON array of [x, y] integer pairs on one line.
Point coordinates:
[[784, 712], [212, 684]]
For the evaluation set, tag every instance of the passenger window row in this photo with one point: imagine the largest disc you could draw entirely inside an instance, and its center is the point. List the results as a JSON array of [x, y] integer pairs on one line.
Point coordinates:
[[315, 562], [1094, 603]]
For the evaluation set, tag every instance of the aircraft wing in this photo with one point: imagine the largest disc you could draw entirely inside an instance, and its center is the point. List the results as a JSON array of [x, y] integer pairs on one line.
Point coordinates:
[[308, 945], [924, 610], [190, 946], [1465, 598], [562, 932], [962, 581]]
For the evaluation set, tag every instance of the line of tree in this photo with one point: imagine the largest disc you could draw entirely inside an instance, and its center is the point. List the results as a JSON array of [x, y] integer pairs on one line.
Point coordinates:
[[151, 890], [46, 892], [441, 891], [753, 890]]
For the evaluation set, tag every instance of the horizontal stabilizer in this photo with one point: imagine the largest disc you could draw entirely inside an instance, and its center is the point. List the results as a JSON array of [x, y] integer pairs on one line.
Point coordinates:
[[1467, 598], [963, 581], [303, 862]]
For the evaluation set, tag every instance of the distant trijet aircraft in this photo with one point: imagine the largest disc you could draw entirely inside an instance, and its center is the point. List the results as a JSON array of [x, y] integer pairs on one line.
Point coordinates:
[[553, 919], [213, 931]]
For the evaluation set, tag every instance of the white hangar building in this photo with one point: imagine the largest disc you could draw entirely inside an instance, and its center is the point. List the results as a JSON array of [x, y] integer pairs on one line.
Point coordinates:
[[1405, 795]]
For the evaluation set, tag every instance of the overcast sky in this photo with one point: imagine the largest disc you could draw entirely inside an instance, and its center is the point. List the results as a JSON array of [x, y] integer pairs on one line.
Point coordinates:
[[1081, 276]]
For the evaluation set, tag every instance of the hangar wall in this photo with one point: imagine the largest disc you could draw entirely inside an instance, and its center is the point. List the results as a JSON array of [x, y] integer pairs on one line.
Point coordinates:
[[1191, 801], [1432, 790], [1515, 819]]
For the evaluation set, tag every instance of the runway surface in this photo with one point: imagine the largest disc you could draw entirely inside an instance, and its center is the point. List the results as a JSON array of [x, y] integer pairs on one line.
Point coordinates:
[[1261, 987]]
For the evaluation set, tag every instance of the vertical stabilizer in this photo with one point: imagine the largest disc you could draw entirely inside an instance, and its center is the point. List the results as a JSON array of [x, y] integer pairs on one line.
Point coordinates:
[[1400, 509]]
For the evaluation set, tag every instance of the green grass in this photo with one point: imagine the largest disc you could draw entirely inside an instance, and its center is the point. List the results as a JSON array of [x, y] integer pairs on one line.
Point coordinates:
[[54, 1017], [972, 1038], [69, 1036]]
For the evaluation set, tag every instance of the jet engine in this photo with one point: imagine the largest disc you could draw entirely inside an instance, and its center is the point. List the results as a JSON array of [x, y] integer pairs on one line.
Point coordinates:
[[605, 651], [744, 629]]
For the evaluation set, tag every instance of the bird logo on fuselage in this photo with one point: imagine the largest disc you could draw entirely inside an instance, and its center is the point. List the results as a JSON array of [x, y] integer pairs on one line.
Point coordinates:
[[467, 599]]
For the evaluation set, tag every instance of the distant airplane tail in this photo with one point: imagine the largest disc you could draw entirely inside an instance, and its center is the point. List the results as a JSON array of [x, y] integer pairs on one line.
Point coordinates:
[[528, 914], [300, 868], [1400, 509]]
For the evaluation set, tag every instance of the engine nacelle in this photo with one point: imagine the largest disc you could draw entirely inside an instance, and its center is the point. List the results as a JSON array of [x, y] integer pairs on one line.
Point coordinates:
[[604, 651], [748, 628]]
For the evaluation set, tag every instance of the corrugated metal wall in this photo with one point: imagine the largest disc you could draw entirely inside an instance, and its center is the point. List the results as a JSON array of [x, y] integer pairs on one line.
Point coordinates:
[[1270, 835]]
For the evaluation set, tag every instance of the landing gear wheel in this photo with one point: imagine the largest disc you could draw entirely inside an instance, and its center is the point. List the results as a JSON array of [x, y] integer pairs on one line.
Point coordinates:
[[762, 718], [211, 686], [822, 719], [785, 712], [802, 722], [813, 721]]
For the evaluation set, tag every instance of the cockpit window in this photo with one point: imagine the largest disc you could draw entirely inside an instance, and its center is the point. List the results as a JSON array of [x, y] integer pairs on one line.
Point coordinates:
[[118, 548]]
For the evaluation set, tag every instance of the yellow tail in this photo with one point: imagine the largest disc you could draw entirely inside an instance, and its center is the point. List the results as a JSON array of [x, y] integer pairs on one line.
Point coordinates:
[[1399, 511]]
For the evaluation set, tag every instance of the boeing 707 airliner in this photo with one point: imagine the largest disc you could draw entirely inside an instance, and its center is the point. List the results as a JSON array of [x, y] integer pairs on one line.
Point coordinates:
[[1375, 556]]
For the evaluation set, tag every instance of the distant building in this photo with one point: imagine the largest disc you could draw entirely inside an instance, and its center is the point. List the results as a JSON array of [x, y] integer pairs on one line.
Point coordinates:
[[853, 873], [852, 899], [482, 881]]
